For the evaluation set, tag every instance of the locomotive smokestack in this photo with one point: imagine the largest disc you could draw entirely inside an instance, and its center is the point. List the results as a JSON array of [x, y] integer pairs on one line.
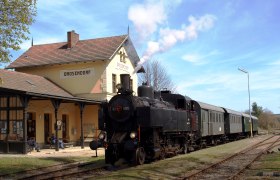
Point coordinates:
[[125, 82]]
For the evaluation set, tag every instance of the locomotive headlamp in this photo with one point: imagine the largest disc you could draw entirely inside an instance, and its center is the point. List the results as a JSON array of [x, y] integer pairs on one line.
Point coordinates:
[[132, 135], [101, 136]]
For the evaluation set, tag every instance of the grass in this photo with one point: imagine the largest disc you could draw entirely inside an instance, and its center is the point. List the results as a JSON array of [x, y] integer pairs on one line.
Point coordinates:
[[178, 166], [14, 164], [269, 162], [266, 165]]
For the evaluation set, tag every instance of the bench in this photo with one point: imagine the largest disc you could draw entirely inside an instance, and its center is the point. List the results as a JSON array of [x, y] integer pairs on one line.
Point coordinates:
[[68, 144]]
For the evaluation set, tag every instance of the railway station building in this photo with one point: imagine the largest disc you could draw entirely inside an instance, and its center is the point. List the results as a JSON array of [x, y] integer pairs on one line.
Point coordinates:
[[58, 88]]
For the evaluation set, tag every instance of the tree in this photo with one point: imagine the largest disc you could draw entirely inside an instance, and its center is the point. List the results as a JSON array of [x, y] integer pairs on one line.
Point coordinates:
[[15, 18], [156, 76], [268, 121], [266, 118], [256, 110]]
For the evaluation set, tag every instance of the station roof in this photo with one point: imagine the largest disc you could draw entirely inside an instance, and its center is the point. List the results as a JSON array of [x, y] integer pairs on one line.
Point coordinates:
[[35, 86], [83, 51]]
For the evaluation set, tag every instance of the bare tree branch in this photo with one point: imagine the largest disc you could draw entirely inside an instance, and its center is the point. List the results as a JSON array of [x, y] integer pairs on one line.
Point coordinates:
[[156, 76]]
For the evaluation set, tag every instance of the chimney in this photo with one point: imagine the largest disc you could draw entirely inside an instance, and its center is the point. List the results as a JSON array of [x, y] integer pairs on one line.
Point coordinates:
[[72, 39]]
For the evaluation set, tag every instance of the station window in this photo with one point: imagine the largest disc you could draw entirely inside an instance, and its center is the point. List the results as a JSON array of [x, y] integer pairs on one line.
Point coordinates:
[[3, 126], [122, 57], [114, 83]]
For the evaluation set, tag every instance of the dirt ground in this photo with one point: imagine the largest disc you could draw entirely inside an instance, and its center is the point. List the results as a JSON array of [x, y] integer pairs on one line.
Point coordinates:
[[71, 151]]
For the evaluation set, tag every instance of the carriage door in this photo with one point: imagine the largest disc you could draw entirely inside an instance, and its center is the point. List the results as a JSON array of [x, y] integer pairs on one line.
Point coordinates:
[[64, 126], [46, 127], [31, 125], [204, 124]]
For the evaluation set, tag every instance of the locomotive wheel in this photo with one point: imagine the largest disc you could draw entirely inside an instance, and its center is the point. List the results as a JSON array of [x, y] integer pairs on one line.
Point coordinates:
[[140, 156]]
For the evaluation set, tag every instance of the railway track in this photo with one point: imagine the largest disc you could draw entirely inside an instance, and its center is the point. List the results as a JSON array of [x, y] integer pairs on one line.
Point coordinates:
[[232, 166], [61, 171]]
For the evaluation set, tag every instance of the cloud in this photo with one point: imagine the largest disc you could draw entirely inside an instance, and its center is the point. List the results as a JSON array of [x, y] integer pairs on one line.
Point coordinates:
[[193, 58], [198, 59], [199, 24], [146, 17]]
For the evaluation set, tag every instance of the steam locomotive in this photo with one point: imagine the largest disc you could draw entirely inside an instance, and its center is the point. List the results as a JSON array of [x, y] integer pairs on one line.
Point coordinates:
[[155, 125]]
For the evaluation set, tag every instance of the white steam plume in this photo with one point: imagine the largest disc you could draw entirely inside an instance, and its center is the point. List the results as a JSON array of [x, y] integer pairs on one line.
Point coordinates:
[[169, 37], [146, 17]]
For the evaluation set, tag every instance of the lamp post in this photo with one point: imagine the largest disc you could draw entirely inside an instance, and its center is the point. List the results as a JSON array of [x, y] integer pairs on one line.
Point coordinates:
[[246, 72]]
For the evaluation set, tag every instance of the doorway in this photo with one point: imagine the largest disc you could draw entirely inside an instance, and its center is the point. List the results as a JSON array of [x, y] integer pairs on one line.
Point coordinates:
[[31, 125], [65, 127], [47, 127]]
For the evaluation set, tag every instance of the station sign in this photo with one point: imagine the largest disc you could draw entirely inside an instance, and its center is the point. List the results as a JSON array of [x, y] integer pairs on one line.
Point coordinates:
[[76, 73]]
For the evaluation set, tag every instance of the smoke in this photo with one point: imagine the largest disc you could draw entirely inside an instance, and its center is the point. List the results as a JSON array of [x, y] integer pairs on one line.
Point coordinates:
[[146, 17], [169, 37]]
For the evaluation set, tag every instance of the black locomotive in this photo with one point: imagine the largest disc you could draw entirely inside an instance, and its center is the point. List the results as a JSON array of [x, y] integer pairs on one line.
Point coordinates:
[[155, 125]]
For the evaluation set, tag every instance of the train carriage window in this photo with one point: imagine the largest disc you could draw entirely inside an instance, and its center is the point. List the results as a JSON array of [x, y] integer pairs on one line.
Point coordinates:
[[131, 84], [216, 117], [203, 116]]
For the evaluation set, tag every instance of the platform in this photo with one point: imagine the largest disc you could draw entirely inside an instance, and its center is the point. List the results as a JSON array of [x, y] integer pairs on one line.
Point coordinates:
[[70, 151]]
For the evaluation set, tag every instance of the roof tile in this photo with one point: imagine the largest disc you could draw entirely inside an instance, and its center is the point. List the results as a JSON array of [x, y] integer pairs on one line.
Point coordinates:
[[58, 53], [30, 83]]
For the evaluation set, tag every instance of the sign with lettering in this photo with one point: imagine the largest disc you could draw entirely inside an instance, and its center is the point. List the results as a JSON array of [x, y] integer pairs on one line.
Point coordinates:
[[122, 66], [76, 73]]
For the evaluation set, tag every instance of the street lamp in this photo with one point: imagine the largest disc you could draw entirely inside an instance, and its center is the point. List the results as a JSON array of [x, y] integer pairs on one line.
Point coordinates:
[[242, 70]]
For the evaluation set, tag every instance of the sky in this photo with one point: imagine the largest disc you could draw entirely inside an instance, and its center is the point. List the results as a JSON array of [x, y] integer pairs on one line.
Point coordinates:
[[200, 43]]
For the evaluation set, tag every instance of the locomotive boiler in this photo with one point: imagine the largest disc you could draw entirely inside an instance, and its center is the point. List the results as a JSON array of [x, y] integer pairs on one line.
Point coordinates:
[[144, 127]]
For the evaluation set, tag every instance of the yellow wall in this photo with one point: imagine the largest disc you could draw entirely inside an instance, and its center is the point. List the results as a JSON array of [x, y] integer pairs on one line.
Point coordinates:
[[117, 67], [90, 118], [75, 85], [97, 86]]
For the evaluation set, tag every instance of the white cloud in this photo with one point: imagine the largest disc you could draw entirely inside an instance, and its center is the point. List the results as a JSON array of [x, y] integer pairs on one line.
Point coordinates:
[[146, 17], [198, 59], [199, 24], [193, 58]]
